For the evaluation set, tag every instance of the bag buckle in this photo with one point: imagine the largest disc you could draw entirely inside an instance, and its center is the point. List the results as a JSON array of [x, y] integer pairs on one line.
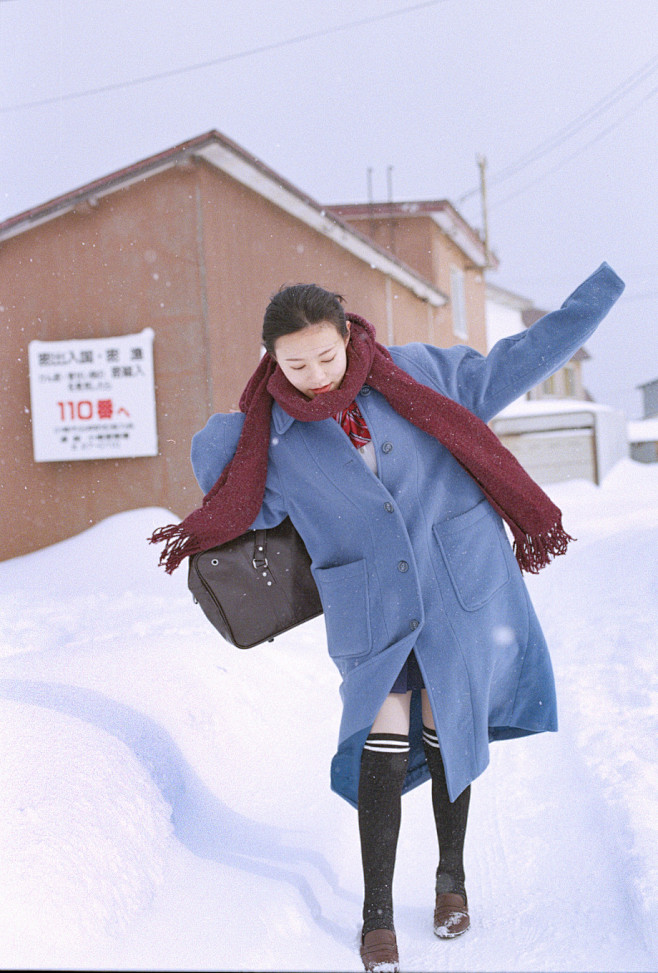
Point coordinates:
[[259, 560]]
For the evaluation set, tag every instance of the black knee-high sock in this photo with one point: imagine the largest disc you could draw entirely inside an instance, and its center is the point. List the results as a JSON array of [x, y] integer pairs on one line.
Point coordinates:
[[450, 817], [383, 769]]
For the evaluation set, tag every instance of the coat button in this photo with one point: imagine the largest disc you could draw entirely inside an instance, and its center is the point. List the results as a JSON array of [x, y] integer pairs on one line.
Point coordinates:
[[387, 447], [388, 506], [365, 390], [413, 624], [403, 566]]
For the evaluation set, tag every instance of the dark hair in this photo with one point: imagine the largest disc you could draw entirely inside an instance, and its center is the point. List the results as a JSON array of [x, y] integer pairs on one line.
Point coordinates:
[[295, 308]]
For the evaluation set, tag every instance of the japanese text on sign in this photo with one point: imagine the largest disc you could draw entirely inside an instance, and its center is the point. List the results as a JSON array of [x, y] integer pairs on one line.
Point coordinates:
[[93, 398]]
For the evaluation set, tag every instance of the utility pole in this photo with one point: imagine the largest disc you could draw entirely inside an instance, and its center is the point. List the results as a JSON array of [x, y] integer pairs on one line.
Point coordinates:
[[389, 183], [482, 163]]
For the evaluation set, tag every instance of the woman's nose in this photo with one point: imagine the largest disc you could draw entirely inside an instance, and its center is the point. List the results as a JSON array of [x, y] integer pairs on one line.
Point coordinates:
[[318, 376]]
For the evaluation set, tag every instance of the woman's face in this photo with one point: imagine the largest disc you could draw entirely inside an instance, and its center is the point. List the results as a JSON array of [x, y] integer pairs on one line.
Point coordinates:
[[314, 359]]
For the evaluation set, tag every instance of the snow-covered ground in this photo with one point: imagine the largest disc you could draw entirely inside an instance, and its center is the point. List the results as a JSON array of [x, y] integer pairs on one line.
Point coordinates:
[[165, 796]]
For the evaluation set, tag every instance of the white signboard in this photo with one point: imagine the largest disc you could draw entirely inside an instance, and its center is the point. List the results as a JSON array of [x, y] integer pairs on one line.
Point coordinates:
[[93, 398]]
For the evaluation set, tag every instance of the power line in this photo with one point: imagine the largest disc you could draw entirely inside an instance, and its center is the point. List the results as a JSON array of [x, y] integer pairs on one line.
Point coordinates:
[[579, 151], [174, 72], [573, 127]]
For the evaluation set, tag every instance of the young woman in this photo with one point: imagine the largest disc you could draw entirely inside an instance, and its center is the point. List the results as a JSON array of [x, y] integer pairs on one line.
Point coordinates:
[[383, 461]]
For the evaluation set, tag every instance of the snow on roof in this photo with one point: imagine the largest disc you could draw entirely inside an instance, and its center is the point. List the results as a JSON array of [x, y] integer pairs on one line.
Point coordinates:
[[643, 430], [544, 407]]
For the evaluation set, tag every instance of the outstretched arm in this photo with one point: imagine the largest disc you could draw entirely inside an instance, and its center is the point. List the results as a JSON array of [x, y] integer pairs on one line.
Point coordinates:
[[485, 385]]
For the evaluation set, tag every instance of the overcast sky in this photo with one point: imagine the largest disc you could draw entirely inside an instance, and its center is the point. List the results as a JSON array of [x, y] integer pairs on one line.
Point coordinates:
[[559, 96]]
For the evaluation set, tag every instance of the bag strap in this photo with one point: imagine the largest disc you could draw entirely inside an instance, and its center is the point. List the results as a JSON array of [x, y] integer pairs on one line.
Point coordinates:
[[259, 559]]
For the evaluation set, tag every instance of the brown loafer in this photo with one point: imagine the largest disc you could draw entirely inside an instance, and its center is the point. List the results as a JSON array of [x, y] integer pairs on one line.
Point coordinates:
[[450, 915], [379, 951]]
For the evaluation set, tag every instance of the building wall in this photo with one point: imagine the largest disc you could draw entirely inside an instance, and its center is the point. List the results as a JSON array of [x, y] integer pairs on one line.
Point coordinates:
[[446, 256], [502, 321], [643, 439], [650, 399], [410, 239], [114, 268], [193, 255], [566, 383], [644, 452], [420, 243]]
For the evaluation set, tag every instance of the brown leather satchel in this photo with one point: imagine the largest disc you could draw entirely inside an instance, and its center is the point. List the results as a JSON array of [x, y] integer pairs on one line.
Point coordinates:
[[256, 586]]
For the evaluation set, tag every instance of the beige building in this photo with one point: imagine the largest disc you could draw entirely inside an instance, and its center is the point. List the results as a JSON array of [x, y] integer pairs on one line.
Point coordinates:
[[439, 244], [190, 244]]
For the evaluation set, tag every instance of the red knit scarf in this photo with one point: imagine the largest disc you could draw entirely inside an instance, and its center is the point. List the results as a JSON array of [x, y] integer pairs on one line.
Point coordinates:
[[231, 506]]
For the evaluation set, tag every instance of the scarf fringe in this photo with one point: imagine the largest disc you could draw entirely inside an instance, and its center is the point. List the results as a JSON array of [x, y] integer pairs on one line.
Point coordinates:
[[535, 551], [179, 544]]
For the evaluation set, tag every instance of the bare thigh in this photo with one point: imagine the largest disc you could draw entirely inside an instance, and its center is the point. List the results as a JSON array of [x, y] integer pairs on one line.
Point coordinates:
[[428, 717], [393, 717]]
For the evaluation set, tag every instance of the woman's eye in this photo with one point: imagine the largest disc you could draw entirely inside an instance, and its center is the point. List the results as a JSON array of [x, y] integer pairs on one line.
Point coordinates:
[[323, 361]]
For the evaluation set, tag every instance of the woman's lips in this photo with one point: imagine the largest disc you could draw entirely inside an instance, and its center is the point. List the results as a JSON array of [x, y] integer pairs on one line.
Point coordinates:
[[325, 388]]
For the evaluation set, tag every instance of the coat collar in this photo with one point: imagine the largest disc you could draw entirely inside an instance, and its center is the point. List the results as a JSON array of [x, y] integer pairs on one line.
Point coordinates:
[[282, 421]]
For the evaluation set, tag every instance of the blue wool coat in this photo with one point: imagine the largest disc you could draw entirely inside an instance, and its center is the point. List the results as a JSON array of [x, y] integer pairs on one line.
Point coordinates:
[[415, 557]]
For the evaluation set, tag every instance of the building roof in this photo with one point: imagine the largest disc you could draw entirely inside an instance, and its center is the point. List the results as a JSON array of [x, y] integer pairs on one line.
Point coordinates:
[[224, 154], [442, 212], [532, 314]]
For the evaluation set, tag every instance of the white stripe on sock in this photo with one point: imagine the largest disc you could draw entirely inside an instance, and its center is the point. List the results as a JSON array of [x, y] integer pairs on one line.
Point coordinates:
[[386, 746], [387, 743], [430, 738]]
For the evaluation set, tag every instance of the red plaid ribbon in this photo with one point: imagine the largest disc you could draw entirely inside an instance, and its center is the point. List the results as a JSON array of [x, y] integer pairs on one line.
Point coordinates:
[[354, 425]]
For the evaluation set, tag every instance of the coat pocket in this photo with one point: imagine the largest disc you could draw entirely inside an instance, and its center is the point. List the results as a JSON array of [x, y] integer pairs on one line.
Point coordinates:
[[344, 594], [472, 549]]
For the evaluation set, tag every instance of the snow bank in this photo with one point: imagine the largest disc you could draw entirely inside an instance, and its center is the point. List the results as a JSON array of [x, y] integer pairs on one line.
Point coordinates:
[[599, 608], [81, 851], [166, 796]]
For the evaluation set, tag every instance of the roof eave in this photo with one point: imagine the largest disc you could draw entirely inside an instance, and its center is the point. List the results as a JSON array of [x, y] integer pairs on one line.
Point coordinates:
[[225, 155]]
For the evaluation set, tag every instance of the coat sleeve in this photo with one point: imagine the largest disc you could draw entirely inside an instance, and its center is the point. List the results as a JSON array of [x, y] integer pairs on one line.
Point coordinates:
[[213, 447], [486, 384]]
